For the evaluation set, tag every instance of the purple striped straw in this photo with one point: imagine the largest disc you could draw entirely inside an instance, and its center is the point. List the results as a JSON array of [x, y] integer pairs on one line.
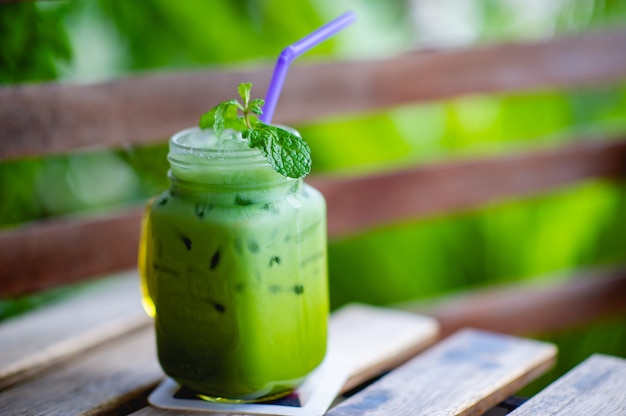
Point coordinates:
[[291, 52]]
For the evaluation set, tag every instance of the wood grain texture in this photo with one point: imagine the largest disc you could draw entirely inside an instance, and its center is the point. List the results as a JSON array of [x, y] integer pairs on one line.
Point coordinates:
[[529, 308], [43, 337], [442, 188], [46, 254], [96, 382], [466, 374], [371, 340], [153, 411], [597, 387], [37, 257], [55, 118]]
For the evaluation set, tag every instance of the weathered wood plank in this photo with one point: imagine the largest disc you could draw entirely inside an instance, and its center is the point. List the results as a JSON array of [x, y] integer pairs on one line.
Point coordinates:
[[532, 308], [371, 340], [36, 257], [466, 374], [46, 336], [441, 188], [54, 118], [96, 382], [597, 387], [52, 253]]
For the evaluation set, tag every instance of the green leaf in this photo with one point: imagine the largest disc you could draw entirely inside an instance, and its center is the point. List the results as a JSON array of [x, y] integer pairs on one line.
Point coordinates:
[[223, 116], [244, 92], [288, 154], [256, 106], [235, 124]]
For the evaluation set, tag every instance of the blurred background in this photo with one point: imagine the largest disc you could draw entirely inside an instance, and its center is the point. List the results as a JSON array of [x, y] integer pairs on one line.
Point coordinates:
[[539, 238]]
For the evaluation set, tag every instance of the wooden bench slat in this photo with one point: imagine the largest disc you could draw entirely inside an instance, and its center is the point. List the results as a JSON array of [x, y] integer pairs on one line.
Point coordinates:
[[45, 254], [441, 188], [371, 340], [56, 118], [530, 308], [596, 387], [466, 374], [46, 336], [37, 257], [96, 382]]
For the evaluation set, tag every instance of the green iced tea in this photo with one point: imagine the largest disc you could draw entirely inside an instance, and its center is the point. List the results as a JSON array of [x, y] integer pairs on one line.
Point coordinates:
[[233, 264]]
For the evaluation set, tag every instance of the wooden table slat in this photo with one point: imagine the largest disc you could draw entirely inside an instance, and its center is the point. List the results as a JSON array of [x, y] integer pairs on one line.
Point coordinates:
[[466, 374], [596, 387], [43, 337], [96, 382], [371, 340]]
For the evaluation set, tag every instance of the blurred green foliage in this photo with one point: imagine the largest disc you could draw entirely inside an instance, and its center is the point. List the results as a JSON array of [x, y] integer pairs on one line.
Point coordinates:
[[209, 30], [545, 235], [32, 43]]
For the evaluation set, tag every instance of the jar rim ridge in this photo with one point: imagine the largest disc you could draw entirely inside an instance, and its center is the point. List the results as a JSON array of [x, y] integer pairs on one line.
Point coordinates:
[[211, 155]]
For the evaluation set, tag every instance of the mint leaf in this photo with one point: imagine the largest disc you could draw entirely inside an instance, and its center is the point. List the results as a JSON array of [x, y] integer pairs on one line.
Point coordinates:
[[223, 116], [244, 92], [288, 154], [256, 106]]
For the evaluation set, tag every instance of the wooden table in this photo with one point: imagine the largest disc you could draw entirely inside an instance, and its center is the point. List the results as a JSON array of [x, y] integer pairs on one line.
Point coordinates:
[[94, 354]]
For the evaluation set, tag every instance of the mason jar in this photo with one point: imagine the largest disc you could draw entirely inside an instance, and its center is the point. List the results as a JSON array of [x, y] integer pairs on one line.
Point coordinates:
[[234, 271]]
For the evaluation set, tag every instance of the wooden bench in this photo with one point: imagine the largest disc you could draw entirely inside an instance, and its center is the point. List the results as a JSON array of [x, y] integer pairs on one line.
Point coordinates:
[[595, 387], [76, 372], [94, 353], [55, 363]]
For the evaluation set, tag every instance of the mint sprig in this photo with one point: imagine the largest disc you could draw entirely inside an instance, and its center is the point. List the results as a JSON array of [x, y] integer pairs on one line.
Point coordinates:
[[288, 154]]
